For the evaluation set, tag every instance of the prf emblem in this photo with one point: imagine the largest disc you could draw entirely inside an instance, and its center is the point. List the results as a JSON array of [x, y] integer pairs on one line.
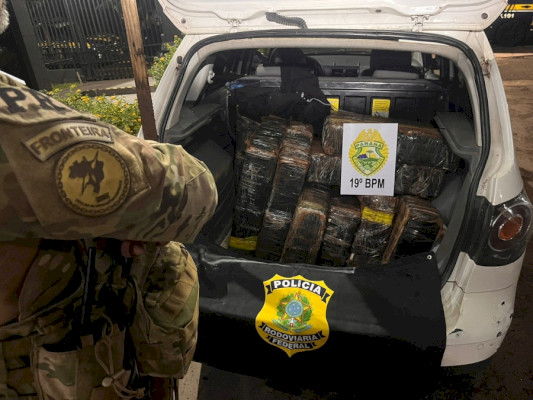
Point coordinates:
[[369, 152], [293, 317], [92, 179]]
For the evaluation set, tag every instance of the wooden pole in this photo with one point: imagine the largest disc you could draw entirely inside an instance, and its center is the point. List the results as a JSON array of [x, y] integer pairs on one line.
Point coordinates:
[[138, 63]]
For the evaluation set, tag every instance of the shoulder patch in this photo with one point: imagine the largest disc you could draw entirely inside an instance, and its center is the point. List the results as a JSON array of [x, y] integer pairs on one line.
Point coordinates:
[[92, 179], [62, 135]]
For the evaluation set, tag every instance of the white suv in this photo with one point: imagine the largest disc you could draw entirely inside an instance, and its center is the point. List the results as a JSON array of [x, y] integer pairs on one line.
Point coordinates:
[[313, 257]]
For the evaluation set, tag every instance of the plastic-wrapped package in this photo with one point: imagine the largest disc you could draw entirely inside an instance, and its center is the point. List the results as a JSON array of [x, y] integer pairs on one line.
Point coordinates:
[[307, 227], [261, 140], [238, 161], [287, 184], [344, 217], [424, 145], [372, 236], [324, 169], [417, 226], [273, 126], [299, 134], [253, 188], [387, 204], [274, 230], [420, 144], [245, 127], [418, 180], [333, 128], [289, 178], [246, 225]]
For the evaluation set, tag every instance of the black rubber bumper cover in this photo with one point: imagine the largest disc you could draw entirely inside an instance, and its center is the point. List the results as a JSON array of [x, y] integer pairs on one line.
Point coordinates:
[[386, 323]]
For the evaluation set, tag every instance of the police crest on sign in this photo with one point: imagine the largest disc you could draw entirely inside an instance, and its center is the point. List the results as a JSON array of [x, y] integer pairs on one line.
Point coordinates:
[[293, 317], [368, 159]]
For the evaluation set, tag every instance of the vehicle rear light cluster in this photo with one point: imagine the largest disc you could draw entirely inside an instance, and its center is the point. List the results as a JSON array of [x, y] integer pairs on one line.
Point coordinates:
[[500, 234], [512, 226]]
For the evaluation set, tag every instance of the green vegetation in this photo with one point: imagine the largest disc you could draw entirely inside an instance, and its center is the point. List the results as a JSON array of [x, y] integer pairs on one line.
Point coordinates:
[[160, 64], [112, 109]]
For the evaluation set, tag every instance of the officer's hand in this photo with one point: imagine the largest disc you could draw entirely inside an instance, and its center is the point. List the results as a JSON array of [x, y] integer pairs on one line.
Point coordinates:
[[131, 248]]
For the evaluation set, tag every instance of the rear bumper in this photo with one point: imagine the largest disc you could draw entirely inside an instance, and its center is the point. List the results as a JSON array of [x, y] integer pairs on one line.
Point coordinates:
[[479, 305]]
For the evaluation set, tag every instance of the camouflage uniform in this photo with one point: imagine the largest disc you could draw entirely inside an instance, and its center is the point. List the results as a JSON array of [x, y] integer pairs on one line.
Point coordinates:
[[67, 179], [65, 175]]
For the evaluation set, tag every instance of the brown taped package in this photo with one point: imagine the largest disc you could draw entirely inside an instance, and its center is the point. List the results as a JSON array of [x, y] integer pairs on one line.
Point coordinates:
[[253, 188], [324, 169], [273, 233], [289, 178], [386, 204], [344, 217], [423, 144], [244, 128], [299, 134], [372, 236], [307, 227], [420, 144], [417, 226], [238, 162], [418, 180], [333, 128], [273, 126]]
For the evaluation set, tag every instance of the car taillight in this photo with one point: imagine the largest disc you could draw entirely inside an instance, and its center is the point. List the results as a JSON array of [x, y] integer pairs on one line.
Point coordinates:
[[508, 229], [511, 226]]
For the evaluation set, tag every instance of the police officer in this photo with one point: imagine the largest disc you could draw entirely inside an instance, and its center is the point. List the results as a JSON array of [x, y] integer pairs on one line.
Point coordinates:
[[95, 317]]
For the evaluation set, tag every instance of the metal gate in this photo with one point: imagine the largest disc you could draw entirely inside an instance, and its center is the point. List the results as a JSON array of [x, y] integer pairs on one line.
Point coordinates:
[[90, 36]]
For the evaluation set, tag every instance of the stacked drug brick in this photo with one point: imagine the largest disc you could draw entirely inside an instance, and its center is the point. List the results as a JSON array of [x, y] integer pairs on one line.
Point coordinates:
[[288, 207], [288, 182]]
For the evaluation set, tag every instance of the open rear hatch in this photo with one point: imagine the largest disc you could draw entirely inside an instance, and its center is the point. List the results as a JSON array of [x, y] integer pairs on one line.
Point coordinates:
[[337, 326], [368, 309], [193, 17]]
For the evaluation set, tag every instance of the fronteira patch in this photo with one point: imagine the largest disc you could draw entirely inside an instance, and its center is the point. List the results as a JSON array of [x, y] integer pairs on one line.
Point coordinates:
[[293, 317], [65, 134], [92, 179]]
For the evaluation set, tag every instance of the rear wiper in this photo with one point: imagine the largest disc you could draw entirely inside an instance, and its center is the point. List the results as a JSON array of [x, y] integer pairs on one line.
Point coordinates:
[[291, 21]]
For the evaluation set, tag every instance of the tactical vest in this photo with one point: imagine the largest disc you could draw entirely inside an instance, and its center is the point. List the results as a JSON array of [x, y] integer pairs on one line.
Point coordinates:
[[93, 325]]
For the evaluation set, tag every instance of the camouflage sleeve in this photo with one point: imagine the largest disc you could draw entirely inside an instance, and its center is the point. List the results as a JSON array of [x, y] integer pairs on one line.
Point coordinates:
[[187, 196], [67, 176]]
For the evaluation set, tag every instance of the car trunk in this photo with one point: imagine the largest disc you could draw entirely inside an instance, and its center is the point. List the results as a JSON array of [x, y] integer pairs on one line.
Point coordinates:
[[281, 216]]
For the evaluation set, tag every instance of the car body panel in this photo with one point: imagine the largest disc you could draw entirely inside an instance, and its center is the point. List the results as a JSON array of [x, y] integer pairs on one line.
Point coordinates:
[[193, 17], [479, 305]]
